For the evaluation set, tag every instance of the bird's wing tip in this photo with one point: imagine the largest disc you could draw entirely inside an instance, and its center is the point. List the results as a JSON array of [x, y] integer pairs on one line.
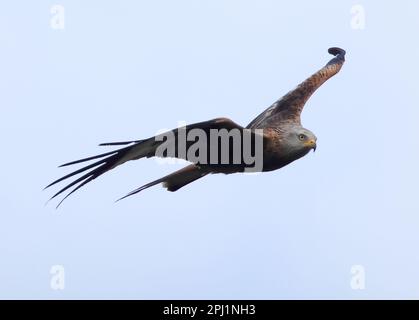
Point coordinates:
[[336, 51]]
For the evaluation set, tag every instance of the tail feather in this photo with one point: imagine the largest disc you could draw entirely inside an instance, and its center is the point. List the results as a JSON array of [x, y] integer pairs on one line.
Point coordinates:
[[173, 181], [182, 177]]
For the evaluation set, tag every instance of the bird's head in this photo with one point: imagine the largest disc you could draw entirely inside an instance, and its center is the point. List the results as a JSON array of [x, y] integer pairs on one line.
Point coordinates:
[[300, 140]]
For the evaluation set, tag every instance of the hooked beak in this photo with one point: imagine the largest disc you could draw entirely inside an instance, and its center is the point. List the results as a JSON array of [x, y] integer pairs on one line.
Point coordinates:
[[311, 144]]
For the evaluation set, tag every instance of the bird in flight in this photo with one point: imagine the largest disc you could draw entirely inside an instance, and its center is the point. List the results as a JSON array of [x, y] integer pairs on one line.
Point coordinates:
[[272, 140]]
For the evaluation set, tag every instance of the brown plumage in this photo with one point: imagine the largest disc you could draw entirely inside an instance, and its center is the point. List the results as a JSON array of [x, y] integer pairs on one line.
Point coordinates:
[[278, 128]]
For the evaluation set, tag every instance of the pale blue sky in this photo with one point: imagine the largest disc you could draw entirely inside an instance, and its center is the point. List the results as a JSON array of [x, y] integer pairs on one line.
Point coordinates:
[[128, 69]]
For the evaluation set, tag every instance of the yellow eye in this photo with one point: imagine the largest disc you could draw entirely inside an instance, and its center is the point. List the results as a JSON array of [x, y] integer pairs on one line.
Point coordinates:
[[301, 137]]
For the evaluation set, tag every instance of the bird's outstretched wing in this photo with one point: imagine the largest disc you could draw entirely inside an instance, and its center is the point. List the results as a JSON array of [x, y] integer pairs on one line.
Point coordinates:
[[137, 149], [288, 108]]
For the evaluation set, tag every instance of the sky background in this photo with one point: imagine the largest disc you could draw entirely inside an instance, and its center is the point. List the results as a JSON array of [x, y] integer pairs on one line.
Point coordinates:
[[125, 70]]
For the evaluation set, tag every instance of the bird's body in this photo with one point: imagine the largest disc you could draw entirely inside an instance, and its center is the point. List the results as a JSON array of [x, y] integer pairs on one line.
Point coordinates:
[[271, 141]]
